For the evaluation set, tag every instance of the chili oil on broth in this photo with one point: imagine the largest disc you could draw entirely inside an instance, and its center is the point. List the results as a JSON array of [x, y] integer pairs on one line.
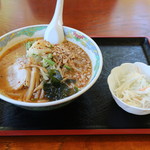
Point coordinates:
[[81, 73]]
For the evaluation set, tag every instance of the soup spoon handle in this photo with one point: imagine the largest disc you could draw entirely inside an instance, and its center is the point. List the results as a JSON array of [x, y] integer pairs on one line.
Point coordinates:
[[54, 32]]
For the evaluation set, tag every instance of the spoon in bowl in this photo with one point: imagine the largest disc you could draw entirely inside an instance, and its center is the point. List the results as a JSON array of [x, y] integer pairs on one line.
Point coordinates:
[[54, 32]]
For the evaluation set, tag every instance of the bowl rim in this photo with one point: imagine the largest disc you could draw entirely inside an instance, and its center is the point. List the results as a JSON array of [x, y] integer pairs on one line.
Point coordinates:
[[67, 99], [113, 94]]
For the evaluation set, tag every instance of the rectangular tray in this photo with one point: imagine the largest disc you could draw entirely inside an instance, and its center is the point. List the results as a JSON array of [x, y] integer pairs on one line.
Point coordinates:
[[95, 112]]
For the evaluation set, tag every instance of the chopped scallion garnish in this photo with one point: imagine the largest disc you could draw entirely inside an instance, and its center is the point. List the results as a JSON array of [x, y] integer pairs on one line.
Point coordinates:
[[29, 44], [48, 62], [76, 89], [67, 67], [50, 56]]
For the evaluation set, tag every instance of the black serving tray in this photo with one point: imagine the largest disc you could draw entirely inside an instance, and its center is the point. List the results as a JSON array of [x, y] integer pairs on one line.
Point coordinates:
[[95, 112]]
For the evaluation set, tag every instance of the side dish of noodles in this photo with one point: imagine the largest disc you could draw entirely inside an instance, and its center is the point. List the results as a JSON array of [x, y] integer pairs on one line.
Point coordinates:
[[37, 71], [134, 90]]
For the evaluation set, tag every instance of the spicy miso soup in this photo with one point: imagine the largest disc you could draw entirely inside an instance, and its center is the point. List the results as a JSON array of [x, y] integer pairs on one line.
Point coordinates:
[[37, 71]]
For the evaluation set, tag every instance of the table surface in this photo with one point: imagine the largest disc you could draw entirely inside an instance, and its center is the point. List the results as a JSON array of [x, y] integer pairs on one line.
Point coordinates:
[[115, 18]]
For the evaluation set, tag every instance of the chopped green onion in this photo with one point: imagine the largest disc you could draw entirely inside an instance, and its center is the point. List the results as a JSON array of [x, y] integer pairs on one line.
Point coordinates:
[[35, 55], [29, 44], [67, 67], [33, 99], [76, 89], [48, 62], [50, 46], [50, 56]]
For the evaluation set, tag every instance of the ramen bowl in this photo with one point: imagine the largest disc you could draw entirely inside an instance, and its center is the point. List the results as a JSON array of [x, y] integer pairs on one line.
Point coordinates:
[[117, 75], [37, 31]]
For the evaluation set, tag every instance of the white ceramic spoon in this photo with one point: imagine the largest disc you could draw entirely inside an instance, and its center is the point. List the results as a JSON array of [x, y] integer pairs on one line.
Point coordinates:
[[54, 32]]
